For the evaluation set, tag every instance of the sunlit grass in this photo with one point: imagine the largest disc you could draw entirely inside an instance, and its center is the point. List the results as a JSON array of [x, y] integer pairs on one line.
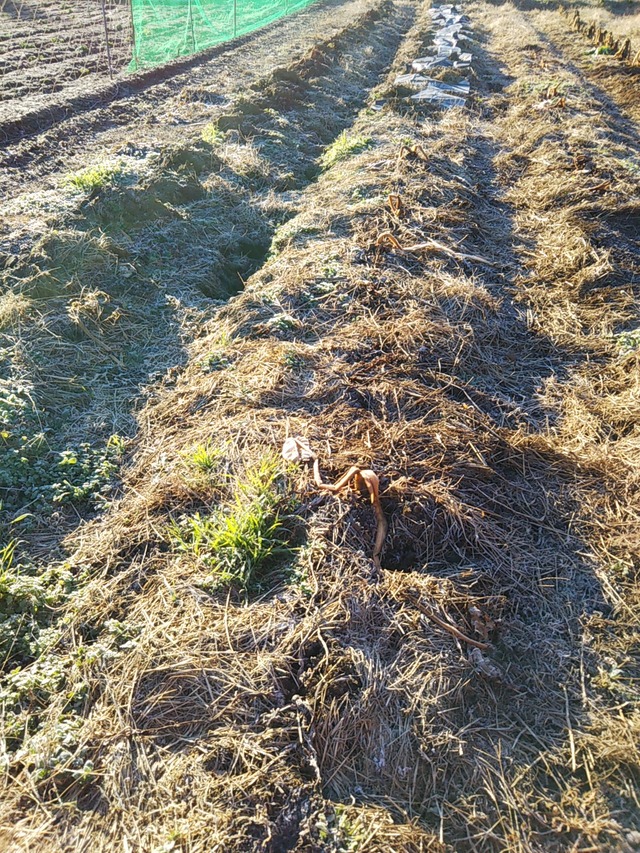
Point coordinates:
[[240, 543], [344, 146]]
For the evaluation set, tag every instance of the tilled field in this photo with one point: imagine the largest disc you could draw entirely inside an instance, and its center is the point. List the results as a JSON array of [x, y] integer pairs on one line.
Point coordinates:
[[215, 653], [47, 44]]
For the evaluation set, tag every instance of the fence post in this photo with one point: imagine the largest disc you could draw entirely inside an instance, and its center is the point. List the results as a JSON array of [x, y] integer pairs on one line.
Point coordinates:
[[191, 27], [134, 47], [106, 38], [235, 18]]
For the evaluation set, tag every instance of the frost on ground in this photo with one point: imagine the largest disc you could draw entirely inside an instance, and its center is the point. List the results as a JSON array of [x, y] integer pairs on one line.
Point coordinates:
[[213, 655]]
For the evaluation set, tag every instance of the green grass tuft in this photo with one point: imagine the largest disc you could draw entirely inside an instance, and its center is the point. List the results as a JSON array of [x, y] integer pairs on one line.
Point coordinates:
[[240, 544], [212, 135], [344, 146], [94, 178], [205, 457]]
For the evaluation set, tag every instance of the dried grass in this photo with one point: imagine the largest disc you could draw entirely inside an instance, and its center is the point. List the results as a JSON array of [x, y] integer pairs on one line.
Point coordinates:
[[14, 307], [332, 714]]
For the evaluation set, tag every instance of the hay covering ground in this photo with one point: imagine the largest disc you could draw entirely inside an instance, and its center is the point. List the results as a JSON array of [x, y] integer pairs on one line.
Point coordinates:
[[319, 707]]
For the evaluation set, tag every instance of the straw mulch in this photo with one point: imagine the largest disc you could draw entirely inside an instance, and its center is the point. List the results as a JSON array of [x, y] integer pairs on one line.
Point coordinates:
[[330, 711]]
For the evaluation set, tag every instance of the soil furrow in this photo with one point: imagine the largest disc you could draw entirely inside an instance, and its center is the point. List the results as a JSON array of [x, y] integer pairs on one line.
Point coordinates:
[[85, 122]]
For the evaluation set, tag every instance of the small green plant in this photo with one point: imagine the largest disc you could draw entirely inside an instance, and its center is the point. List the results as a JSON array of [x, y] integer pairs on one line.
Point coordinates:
[[215, 361], [620, 569], [87, 472], [293, 361], [298, 570], [282, 323], [121, 635], [339, 832], [212, 135], [94, 178], [627, 342], [205, 457], [239, 544], [344, 146]]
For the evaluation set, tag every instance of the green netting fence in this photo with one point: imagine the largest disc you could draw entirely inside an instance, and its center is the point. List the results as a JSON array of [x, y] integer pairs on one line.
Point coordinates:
[[167, 29]]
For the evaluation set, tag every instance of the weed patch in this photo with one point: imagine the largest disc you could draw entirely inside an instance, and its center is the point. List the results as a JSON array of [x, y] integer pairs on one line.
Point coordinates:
[[34, 474], [344, 146], [95, 178], [627, 342], [240, 544], [28, 598]]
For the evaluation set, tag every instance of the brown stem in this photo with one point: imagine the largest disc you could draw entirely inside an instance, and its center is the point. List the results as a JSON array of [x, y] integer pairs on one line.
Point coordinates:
[[370, 479], [447, 626]]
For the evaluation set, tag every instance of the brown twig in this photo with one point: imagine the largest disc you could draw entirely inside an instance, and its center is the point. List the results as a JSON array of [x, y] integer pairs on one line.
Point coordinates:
[[434, 246], [416, 150], [447, 626], [386, 237]]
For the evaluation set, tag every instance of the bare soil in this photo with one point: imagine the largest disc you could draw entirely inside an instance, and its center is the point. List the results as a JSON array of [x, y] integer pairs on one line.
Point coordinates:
[[49, 44]]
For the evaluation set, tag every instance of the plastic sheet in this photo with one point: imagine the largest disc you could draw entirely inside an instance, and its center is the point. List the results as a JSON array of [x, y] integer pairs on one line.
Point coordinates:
[[439, 98]]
